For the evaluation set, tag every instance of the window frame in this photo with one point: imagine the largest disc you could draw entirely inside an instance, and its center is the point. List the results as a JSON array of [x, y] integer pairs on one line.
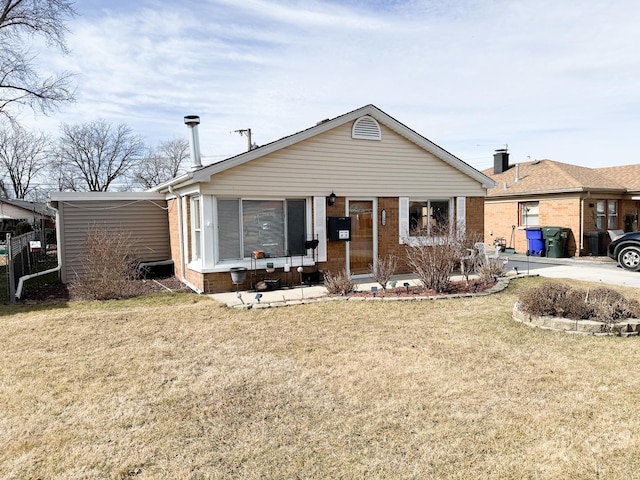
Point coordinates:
[[242, 258], [606, 216], [195, 220], [426, 220], [523, 219], [404, 220]]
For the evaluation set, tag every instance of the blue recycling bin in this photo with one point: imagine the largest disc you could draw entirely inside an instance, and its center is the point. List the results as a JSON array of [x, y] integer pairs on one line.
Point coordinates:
[[535, 242]]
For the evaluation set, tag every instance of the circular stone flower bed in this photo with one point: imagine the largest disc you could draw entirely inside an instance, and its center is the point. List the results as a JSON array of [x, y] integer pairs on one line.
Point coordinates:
[[626, 328]]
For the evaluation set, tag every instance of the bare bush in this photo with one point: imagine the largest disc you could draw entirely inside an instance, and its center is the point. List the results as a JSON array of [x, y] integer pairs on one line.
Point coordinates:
[[543, 300], [601, 304], [434, 255], [108, 265], [610, 306], [339, 283], [489, 268], [383, 270]]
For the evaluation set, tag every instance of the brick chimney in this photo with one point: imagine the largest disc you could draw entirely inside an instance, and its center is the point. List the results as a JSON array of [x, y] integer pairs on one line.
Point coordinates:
[[500, 161]]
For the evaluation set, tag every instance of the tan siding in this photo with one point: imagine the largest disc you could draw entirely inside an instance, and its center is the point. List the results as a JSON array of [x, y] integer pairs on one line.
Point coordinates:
[[335, 161], [146, 220]]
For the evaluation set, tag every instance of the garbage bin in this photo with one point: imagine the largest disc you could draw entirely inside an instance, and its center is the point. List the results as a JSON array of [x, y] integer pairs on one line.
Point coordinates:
[[535, 242], [595, 243], [555, 241]]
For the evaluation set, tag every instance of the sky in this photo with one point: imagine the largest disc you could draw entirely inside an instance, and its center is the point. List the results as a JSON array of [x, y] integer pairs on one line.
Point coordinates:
[[550, 79]]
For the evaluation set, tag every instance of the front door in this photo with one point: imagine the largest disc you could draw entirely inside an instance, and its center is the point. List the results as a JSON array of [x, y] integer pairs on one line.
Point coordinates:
[[362, 235]]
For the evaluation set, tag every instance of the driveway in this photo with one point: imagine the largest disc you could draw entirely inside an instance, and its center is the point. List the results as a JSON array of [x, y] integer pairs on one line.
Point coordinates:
[[598, 270]]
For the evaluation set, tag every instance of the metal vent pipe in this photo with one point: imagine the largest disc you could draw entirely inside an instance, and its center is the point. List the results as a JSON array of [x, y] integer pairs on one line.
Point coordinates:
[[192, 122]]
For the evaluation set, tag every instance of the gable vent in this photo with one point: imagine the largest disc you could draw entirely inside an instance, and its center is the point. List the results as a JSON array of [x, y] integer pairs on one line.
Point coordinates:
[[366, 128]]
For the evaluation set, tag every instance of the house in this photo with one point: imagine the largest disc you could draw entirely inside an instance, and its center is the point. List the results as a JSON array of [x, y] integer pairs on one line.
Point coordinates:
[[589, 201], [13, 212], [335, 196], [141, 216]]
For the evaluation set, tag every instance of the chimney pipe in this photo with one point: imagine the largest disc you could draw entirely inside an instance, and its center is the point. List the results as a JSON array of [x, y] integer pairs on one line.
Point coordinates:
[[500, 161], [517, 172], [192, 122]]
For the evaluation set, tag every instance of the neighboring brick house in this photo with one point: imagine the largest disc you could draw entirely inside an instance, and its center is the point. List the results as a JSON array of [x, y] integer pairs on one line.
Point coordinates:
[[363, 167], [589, 201]]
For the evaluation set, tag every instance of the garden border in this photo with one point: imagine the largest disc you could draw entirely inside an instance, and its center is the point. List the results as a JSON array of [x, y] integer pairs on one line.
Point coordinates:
[[628, 328]]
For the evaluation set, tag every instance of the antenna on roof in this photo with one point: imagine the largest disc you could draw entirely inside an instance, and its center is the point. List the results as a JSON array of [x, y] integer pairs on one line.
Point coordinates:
[[247, 132]]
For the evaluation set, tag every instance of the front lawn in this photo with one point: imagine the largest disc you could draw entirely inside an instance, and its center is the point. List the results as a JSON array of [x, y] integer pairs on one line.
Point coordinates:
[[177, 386]]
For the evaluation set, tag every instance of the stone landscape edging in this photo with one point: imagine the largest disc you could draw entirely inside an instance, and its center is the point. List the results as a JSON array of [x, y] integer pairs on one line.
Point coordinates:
[[627, 328], [500, 285]]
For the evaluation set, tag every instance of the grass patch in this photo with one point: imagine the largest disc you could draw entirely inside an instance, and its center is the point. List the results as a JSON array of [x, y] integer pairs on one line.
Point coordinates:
[[176, 386]]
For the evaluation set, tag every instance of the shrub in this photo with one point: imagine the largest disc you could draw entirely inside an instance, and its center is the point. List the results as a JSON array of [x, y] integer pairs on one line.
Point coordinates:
[[22, 228], [383, 270], [601, 304], [108, 265], [610, 306], [490, 268], [339, 284], [435, 255]]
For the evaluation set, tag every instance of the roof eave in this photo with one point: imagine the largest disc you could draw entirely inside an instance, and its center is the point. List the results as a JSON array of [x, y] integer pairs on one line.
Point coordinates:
[[164, 187], [554, 191]]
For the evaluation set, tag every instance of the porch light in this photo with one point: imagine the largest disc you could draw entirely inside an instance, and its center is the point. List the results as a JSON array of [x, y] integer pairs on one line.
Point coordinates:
[[331, 199]]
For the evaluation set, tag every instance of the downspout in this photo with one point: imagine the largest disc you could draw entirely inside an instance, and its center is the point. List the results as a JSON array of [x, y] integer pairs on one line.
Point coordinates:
[[180, 233], [580, 233], [57, 268]]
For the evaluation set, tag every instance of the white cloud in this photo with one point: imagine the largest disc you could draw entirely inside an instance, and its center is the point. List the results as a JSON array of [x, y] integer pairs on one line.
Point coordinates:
[[551, 79]]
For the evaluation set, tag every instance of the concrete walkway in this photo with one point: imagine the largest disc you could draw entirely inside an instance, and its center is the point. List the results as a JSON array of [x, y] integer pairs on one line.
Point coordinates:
[[296, 295], [589, 269]]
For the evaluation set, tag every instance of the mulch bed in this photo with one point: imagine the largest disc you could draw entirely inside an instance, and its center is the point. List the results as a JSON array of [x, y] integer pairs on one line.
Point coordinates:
[[59, 291], [418, 291]]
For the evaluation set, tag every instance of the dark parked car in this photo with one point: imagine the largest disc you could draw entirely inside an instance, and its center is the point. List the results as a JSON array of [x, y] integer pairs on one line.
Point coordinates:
[[625, 250]]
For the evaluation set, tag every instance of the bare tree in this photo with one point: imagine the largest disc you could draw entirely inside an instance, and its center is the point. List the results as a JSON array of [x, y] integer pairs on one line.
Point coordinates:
[[20, 81], [91, 156], [22, 156], [161, 164]]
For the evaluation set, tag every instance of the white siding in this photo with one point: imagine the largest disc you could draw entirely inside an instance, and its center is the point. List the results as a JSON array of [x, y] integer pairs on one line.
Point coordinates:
[[320, 226], [403, 217], [147, 221], [461, 214], [334, 161]]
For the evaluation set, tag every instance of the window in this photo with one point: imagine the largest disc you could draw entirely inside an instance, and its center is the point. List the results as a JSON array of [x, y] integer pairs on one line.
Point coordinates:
[[277, 227], [529, 213], [196, 231], [427, 217], [607, 214]]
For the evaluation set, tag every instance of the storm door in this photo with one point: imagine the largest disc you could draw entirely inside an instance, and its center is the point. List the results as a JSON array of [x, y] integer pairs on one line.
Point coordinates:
[[361, 246]]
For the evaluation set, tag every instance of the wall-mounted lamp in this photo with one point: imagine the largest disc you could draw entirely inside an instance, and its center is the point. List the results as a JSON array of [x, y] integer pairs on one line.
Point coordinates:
[[331, 199], [383, 217]]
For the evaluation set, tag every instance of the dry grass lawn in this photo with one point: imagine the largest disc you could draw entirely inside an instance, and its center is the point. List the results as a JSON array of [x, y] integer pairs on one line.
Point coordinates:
[[179, 387]]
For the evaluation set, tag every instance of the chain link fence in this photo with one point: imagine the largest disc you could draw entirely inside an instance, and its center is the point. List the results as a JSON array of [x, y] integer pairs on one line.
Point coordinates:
[[25, 254]]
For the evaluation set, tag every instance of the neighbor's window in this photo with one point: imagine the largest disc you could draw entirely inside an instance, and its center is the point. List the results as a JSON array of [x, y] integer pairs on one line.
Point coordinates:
[[529, 213], [276, 227], [607, 214], [196, 230], [427, 217]]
